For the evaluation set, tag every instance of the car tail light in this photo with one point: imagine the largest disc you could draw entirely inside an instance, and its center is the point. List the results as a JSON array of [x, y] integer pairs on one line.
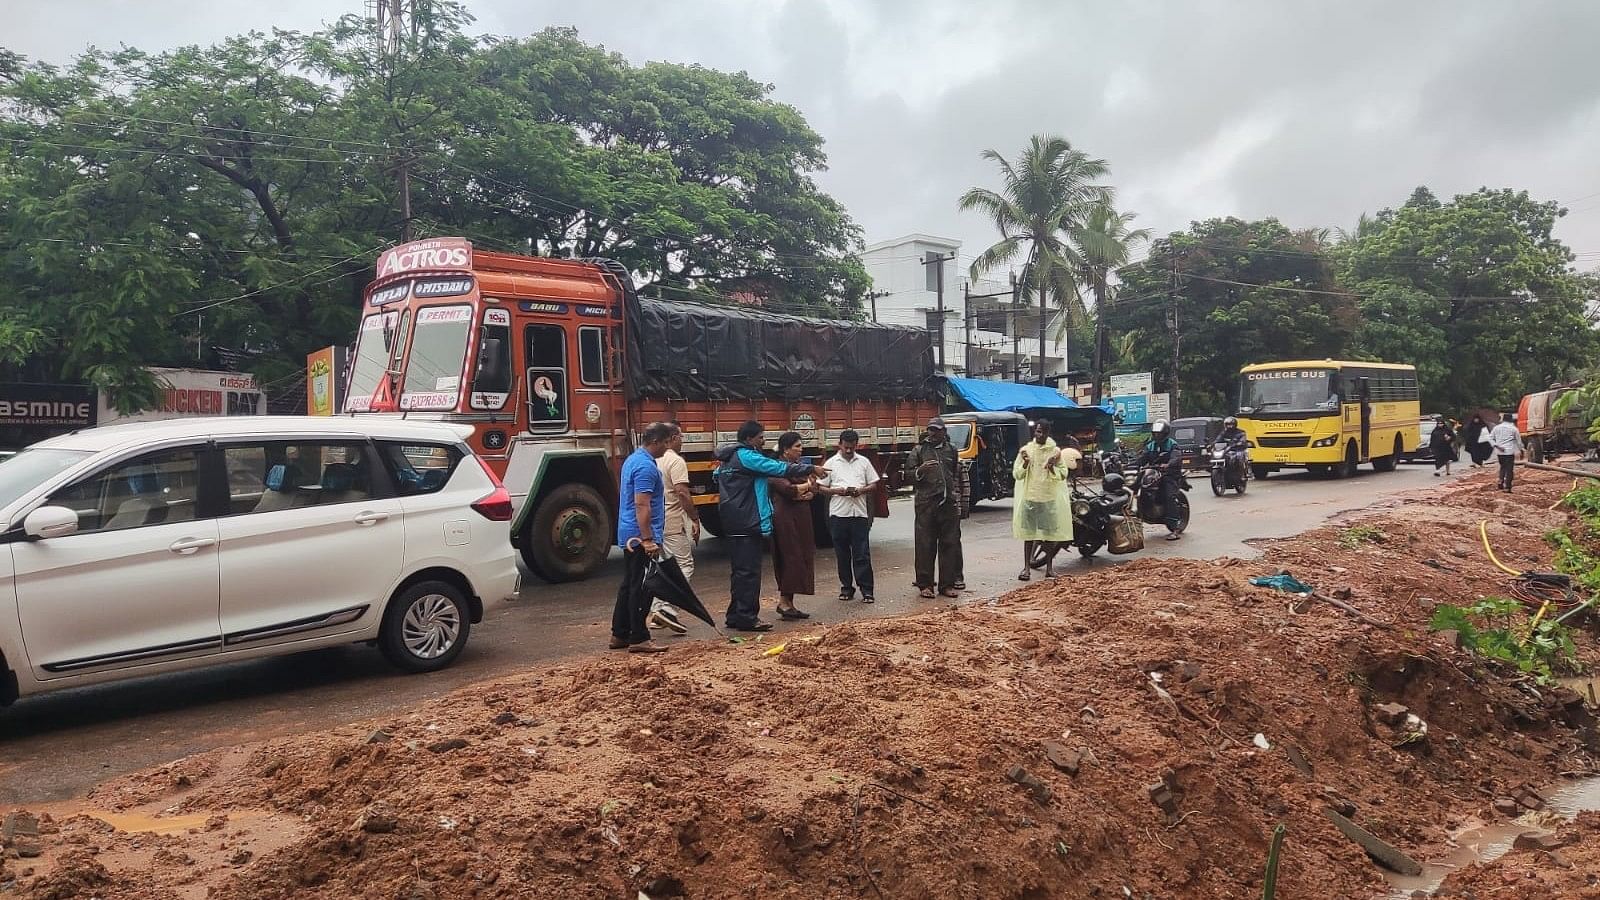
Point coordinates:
[[496, 507]]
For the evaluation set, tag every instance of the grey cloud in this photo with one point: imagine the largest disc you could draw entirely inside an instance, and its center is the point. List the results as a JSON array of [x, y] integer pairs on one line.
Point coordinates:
[[1310, 112]]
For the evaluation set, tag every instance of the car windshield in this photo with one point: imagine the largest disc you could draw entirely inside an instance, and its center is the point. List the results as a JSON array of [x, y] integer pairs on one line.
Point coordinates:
[[1288, 391], [372, 358], [438, 352], [30, 468]]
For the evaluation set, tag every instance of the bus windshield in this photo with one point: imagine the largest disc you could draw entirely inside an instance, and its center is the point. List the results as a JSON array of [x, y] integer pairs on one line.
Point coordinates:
[[372, 358], [438, 352], [1288, 391]]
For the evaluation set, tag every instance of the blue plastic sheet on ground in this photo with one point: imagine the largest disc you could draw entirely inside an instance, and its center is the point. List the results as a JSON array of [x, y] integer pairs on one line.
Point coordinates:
[[1283, 582]]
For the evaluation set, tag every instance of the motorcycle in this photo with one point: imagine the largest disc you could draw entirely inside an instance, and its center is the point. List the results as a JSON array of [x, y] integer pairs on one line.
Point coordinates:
[[1095, 518], [1229, 469], [1150, 506]]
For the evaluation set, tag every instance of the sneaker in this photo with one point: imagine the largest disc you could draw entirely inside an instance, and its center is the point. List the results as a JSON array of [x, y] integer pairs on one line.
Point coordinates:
[[664, 618]]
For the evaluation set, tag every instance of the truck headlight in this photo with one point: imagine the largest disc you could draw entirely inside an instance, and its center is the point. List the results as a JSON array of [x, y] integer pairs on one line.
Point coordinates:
[[1328, 441]]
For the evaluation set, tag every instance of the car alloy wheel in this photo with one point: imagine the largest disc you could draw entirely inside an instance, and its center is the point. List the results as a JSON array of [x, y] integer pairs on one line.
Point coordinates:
[[431, 626]]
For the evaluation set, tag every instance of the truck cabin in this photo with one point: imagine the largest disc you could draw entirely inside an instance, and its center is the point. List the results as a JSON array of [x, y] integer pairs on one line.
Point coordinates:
[[449, 331]]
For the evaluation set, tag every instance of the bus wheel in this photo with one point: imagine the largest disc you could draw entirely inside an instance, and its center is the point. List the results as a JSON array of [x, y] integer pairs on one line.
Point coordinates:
[[1352, 459], [569, 535], [1387, 463]]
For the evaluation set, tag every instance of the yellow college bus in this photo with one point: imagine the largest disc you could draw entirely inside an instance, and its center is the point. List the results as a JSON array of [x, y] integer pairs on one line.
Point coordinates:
[[1328, 415]]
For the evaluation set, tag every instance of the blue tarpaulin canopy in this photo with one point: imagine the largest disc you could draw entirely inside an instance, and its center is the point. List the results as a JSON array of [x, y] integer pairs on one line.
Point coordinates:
[[1006, 396], [1036, 402]]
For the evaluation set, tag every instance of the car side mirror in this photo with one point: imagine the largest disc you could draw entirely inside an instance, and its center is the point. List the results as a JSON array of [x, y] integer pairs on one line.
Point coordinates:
[[50, 522]]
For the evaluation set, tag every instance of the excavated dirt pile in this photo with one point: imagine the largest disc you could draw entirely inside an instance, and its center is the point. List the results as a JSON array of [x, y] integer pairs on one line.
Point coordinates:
[[1134, 731]]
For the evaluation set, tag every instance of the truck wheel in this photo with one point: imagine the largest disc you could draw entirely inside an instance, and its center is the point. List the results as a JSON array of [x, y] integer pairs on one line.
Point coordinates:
[[569, 535], [819, 523], [711, 520]]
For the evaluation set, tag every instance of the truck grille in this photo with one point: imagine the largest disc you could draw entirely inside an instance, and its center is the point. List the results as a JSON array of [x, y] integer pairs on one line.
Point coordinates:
[[1283, 442]]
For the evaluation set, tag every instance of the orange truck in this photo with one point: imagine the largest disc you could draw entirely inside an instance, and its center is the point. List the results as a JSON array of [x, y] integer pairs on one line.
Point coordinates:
[[559, 365], [1547, 432]]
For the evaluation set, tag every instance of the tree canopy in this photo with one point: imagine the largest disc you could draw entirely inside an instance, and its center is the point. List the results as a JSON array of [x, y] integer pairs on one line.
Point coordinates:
[[228, 201]]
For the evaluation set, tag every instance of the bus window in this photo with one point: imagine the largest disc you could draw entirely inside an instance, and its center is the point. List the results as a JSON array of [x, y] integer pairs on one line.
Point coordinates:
[[546, 347], [438, 353]]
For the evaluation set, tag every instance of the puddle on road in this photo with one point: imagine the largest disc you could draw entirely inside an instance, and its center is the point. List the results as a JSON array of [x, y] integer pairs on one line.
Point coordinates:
[[1485, 843]]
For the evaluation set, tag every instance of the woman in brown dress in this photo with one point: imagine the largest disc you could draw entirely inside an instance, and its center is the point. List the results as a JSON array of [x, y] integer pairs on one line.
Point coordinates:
[[794, 548]]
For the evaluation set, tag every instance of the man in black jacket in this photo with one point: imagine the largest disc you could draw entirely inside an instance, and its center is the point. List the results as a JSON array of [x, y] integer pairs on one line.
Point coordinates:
[[935, 477], [745, 507]]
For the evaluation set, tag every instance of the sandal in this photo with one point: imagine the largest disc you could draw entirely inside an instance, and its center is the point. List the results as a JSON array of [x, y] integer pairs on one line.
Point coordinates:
[[925, 593], [1024, 575], [791, 614], [950, 592], [846, 596]]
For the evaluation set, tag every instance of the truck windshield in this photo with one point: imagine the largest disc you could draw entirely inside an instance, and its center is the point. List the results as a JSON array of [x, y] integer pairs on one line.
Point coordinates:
[[438, 352], [1288, 391], [373, 348]]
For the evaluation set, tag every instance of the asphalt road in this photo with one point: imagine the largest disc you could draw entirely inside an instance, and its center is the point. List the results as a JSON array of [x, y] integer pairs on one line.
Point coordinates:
[[57, 746]]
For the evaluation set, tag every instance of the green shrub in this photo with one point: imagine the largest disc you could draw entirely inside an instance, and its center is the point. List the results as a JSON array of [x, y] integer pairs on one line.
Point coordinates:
[[1498, 628]]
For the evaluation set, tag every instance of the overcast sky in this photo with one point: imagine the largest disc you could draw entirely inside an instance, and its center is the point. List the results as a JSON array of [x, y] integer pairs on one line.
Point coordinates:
[[1309, 112]]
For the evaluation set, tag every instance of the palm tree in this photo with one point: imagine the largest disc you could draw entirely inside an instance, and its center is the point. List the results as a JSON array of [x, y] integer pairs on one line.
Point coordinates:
[[1104, 243], [1046, 192]]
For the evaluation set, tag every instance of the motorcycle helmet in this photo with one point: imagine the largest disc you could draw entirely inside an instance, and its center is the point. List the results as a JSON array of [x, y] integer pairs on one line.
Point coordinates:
[[1230, 422], [1113, 483], [1160, 431]]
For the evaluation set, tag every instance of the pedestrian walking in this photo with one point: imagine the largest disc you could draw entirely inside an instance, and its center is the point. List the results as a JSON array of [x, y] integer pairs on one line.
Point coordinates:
[[1506, 442], [1442, 443], [641, 518], [682, 531], [849, 484], [1476, 437], [744, 502], [1043, 508], [794, 542], [936, 489]]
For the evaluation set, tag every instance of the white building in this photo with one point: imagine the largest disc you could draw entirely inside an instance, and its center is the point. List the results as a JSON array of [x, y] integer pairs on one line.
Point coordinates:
[[1001, 338]]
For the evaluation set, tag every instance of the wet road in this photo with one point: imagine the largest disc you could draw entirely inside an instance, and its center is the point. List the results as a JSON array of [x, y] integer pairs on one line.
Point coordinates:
[[56, 746]]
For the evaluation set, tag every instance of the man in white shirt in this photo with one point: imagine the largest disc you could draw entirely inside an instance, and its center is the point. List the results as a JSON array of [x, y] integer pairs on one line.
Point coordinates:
[[849, 484], [1506, 442], [682, 529]]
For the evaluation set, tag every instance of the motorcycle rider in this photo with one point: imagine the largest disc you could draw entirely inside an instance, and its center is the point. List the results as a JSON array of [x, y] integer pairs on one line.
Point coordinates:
[[1162, 454], [1234, 440]]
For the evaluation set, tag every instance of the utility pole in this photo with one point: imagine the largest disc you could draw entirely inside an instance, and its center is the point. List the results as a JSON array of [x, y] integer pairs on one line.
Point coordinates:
[[1172, 321], [966, 319], [1042, 317], [393, 19], [939, 261], [1099, 356], [1016, 328], [872, 298]]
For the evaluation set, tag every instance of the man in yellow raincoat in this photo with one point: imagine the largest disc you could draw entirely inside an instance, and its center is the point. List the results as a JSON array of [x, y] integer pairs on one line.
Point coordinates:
[[1043, 505]]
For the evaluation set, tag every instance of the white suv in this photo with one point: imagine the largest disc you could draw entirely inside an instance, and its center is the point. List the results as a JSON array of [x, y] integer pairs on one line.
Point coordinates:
[[144, 548]]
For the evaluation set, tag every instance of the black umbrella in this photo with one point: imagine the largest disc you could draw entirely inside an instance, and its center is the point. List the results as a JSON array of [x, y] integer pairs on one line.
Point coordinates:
[[663, 579]]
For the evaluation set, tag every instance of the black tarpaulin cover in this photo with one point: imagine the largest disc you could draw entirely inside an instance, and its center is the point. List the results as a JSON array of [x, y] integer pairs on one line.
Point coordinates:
[[692, 350]]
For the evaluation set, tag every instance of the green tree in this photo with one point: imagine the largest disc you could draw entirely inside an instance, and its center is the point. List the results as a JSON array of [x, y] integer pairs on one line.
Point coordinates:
[[1104, 243], [156, 206], [1045, 195], [1243, 292], [1477, 292]]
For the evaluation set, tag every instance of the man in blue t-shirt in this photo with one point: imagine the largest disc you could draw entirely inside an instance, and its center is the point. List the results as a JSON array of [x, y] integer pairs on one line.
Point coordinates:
[[641, 516]]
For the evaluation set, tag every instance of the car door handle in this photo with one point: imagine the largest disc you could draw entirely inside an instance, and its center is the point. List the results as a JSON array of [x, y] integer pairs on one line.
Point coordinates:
[[187, 546], [371, 518]]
